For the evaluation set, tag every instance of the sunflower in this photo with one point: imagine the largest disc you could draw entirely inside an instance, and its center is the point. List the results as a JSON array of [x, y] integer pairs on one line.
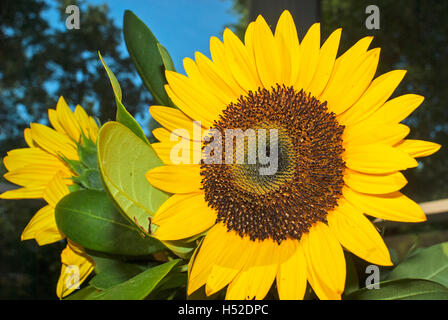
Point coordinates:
[[341, 148], [43, 171]]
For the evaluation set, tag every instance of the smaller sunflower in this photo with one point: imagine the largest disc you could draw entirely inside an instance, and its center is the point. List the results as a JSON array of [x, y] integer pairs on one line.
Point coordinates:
[[43, 171]]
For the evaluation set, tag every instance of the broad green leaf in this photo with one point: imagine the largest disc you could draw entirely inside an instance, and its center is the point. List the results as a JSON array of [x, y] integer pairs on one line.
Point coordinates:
[[143, 49], [123, 116], [89, 218], [403, 289], [166, 58], [430, 264], [140, 286], [124, 160]]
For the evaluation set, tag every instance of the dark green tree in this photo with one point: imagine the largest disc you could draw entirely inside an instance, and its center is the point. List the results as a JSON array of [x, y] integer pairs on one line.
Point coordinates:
[[41, 60]]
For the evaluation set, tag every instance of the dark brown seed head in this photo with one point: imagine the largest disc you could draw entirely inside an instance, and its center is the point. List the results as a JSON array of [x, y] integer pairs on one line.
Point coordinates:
[[308, 181]]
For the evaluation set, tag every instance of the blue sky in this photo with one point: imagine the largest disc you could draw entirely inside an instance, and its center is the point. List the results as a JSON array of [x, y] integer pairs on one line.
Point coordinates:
[[182, 26]]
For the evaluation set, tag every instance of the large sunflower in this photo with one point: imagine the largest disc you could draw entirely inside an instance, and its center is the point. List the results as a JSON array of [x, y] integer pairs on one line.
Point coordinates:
[[43, 171], [340, 151]]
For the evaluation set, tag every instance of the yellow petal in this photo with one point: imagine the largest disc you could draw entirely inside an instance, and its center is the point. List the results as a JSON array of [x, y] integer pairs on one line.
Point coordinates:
[[29, 138], [53, 117], [36, 174], [288, 42], [20, 158], [291, 276], [230, 262], [42, 227], [368, 132], [194, 95], [214, 95], [344, 66], [161, 134], [56, 190], [258, 275], [53, 141], [322, 290], [182, 151], [67, 120], [240, 62], [93, 129], [418, 148], [357, 234], [267, 57], [197, 114], [325, 261], [377, 159], [397, 109], [393, 206], [309, 57], [355, 84], [84, 123], [185, 216], [176, 179], [33, 192], [218, 53], [177, 122], [75, 270], [214, 76], [325, 65], [373, 98], [374, 183], [213, 246]]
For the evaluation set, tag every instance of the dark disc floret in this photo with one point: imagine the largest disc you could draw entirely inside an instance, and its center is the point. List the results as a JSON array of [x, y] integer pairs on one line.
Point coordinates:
[[309, 178]]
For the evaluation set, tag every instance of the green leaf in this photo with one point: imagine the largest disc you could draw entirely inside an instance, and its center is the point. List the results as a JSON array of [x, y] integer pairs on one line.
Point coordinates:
[[117, 273], [86, 293], [430, 264], [404, 289], [140, 286], [124, 160], [143, 48], [166, 58], [123, 116], [90, 219]]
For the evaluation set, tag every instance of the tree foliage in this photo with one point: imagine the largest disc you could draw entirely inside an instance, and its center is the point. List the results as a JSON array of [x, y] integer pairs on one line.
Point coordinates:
[[41, 59]]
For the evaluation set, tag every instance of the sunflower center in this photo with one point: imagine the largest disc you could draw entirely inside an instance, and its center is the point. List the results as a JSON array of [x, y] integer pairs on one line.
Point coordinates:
[[286, 171]]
